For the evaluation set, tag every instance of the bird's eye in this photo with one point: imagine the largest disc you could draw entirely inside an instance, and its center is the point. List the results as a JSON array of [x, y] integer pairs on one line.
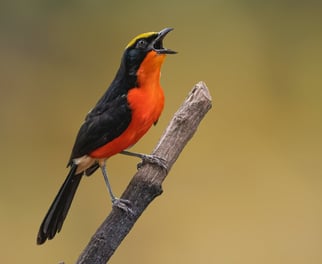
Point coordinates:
[[141, 44]]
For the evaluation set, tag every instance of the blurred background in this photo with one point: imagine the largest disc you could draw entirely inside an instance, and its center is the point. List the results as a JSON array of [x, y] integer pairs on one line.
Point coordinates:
[[246, 189]]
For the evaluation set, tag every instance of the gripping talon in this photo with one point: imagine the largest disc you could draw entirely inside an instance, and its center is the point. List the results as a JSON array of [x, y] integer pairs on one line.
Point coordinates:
[[123, 204], [147, 159], [154, 160]]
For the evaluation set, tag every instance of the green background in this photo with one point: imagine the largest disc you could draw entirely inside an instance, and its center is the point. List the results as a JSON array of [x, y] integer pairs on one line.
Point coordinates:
[[246, 189]]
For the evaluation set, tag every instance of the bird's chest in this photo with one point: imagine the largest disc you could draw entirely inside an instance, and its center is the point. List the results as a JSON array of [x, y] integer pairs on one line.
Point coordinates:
[[146, 104]]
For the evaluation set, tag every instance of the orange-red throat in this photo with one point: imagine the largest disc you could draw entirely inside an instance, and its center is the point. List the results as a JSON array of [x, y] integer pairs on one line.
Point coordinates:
[[150, 69]]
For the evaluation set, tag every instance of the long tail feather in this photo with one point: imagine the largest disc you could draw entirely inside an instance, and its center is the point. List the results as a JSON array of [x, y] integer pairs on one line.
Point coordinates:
[[58, 210]]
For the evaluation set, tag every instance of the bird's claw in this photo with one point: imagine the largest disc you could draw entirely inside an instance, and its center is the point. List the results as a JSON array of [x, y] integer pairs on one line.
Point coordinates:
[[123, 204], [154, 160]]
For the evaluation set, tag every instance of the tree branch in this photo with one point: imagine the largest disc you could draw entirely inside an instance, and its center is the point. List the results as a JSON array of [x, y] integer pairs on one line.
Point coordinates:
[[146, 183]]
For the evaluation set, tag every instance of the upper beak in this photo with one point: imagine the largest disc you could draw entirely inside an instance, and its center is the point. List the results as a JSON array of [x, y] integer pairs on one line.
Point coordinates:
[[157, 44]]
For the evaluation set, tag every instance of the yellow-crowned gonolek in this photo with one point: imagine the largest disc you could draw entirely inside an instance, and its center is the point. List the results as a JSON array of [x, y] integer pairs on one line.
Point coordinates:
[[130, 106]]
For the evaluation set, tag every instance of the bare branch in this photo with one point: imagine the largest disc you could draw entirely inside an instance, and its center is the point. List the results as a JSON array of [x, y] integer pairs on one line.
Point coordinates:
[[146, 183]]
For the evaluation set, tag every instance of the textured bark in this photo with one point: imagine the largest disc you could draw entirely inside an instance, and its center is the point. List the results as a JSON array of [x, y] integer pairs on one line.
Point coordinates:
[[147, 182]]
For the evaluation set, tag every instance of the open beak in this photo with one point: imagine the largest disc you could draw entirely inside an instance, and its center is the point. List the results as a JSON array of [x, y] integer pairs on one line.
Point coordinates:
[[157, 44]]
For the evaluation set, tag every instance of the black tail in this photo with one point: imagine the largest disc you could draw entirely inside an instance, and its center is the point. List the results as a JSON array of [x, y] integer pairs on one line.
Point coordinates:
[[57, 212]]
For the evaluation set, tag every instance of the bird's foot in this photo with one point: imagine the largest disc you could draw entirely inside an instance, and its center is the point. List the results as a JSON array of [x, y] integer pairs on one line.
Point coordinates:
[[147, 159], [123, 204], [154, 160]]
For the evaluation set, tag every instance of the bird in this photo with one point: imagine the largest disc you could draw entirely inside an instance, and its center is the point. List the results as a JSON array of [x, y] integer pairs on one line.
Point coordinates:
[[130, 106]]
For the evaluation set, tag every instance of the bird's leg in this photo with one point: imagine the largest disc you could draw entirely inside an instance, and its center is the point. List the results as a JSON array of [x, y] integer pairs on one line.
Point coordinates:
[[147, 158], [117, 202]]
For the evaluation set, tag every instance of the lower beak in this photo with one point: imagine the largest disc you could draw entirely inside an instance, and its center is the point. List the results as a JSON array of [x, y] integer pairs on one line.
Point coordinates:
[[157, 44]]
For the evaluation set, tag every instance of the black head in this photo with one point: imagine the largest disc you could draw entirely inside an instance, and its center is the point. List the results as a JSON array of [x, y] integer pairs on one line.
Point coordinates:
[[141, 45]]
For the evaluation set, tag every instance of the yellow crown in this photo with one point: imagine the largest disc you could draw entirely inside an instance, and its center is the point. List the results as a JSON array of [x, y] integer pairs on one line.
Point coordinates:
[[141, 36]]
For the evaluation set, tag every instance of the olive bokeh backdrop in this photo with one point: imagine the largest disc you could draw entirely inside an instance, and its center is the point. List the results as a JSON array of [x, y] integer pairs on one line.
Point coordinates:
[[246, 189]]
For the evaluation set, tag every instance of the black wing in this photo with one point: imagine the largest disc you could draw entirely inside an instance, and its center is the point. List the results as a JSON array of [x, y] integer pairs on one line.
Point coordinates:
[[104, 123]]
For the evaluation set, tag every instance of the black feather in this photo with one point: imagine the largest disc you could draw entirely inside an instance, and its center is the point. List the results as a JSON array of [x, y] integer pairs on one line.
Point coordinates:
[[58, 210], [104, 123]]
